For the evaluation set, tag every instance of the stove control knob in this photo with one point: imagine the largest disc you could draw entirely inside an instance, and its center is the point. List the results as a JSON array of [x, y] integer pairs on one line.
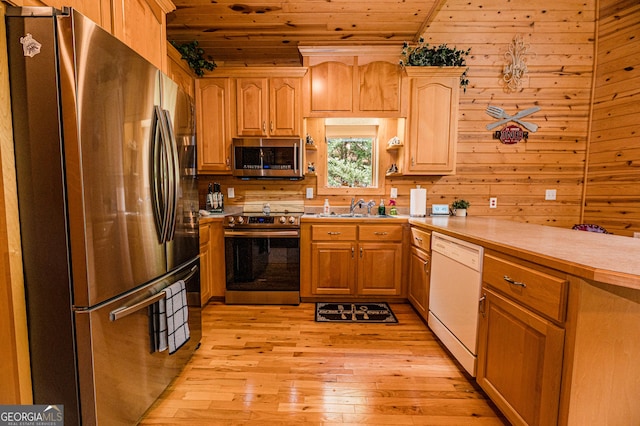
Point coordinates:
[[282, 219], [231, 220], [292, 220], [240, 219]]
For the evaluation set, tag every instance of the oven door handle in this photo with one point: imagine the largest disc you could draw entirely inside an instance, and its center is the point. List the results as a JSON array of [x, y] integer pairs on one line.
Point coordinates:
[[262, 234]]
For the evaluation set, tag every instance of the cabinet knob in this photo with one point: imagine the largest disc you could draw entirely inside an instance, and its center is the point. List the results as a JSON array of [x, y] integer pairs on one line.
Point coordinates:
[[271, 126], [264, 126]]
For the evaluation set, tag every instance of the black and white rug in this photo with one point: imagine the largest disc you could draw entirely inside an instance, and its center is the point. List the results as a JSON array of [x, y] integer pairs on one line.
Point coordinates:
[[355, 312]]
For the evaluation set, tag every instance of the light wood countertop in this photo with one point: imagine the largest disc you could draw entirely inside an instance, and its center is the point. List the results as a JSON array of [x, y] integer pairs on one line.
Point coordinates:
[[605, 258]]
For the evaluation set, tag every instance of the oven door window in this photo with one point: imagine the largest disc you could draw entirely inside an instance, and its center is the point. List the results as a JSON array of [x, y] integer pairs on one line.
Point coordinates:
[[262, 263]]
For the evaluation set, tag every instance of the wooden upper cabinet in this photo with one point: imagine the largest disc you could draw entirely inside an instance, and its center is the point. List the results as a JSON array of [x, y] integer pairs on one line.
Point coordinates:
[[362, 81], [380, 86], [140, 24], [213, 109], [432, 124], [179, 71], [268, 106], [331, 87]]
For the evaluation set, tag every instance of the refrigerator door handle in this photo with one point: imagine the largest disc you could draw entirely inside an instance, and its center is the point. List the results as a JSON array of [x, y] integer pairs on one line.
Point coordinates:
[[173, 167], [124, 311], [158, 172]]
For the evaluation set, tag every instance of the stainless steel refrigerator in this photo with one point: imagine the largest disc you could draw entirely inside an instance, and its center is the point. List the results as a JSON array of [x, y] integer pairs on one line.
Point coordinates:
[[107, 193]]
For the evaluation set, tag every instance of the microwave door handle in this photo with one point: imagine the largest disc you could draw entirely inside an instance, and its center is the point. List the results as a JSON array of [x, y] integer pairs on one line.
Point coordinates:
[[295, 156]]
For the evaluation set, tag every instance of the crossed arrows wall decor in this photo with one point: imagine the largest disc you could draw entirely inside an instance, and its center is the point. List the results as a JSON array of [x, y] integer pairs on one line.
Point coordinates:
[[504, 117]]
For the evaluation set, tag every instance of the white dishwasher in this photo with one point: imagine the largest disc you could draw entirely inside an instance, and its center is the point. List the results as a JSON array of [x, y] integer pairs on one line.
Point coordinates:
[[454, 296]]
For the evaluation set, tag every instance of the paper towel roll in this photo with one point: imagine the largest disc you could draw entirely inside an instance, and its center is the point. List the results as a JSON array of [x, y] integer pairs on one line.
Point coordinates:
[[418, 202]]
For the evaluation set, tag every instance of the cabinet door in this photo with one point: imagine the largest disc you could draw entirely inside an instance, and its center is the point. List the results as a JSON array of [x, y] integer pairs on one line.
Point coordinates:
[[252, 115], [331, 87], [418, 293], [205, 264], [379, 269], [333, 269], [213, 104], [380, 87], [217, 262], [432, 126], [284, 106], [519, 361]]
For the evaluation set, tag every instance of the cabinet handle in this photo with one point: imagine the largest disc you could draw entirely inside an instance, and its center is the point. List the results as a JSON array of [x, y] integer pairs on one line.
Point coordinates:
[[418, 239], [361, 251], [353, 250], [380, 233], [334, 233], [483, 299], [514, 282], [413, 161], [264, 126], [228, 161], [424, 266], [271, 126]]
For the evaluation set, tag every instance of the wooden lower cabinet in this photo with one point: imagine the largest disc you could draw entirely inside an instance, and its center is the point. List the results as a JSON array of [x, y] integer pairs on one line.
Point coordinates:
[[352, 260], [205, 264], [419, 276], [520, 358], [333, 268], [212, 272]]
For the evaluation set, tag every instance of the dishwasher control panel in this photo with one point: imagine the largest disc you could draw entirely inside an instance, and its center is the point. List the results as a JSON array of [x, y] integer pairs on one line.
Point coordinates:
[[464, 252]]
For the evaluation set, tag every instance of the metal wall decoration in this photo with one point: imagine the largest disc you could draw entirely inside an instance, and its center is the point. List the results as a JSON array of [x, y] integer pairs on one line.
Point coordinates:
[[503, 117], [516, 69]]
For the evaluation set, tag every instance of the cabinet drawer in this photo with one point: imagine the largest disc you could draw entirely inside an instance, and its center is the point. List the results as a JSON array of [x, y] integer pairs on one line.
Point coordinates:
[[204, 234], [420, 238], [333, 232], [380, 232], [535, 288]]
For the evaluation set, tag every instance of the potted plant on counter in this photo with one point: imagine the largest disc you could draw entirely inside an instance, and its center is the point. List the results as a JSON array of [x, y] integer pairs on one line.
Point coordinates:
[[460, 207]]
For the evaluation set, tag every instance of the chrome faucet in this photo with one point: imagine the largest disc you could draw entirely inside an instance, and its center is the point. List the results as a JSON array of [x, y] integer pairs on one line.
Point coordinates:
[[370, 204], [355, 204]]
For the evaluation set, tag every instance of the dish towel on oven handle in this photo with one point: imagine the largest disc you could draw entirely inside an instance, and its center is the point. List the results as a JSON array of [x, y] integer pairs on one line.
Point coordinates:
[[172, 321]]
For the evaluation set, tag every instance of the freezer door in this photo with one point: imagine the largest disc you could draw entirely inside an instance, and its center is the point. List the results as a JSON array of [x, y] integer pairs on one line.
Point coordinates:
[[119, 374], [108, 94]]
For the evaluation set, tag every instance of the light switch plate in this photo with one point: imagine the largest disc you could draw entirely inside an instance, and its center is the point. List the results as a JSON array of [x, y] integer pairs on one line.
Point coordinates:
[[440, 209], [309, 193], [230, 193], [394, 193]]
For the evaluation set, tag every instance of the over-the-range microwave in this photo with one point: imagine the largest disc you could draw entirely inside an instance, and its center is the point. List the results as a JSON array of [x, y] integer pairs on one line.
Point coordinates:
[[275, 158]]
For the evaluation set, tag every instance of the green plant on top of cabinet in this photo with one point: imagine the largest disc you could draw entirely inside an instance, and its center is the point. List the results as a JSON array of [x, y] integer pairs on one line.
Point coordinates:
[[432, 123], [213, 106], [268, 106]]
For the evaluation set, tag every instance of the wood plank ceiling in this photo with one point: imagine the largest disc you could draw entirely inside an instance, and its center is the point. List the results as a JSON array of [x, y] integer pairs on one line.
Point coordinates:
[[268, 32]]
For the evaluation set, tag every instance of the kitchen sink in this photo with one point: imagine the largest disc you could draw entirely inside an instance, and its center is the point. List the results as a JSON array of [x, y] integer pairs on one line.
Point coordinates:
[[354, 216]]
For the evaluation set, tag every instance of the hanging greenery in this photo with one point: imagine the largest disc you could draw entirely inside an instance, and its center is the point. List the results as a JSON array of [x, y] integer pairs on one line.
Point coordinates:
[[194, 56], [442, 56]]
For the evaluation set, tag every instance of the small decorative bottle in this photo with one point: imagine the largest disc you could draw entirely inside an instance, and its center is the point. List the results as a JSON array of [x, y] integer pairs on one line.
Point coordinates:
[[326, 208], [381, 211]]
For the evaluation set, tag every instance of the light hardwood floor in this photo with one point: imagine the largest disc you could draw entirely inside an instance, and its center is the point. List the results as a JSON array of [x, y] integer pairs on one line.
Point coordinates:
[[274, 365]]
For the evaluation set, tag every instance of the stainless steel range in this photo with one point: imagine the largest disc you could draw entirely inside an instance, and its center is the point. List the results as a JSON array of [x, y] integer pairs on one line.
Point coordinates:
[[262, 257]]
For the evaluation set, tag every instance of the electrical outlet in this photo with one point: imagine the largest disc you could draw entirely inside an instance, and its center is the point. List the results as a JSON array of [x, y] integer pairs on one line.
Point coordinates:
[[230, 193], [309, 193], [394, 193], [493, 202], [550, 194], [636, 235]]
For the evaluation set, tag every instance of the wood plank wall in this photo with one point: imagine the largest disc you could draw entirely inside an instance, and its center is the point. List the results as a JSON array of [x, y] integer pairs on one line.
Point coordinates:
[[560, 63], [612, 189]]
